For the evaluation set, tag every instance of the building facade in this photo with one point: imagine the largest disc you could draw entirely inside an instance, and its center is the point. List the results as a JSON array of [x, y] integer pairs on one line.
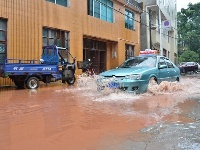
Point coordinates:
[[106, 31], [159, 27]]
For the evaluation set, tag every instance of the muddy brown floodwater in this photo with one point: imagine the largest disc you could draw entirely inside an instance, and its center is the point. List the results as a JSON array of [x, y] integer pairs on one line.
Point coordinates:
[[62, 117]]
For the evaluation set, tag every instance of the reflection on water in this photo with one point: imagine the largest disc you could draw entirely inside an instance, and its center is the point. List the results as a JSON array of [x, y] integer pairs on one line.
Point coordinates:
[[59, 116]]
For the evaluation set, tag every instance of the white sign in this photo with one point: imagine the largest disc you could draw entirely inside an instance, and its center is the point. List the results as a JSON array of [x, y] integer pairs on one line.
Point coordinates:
[[166, 24], [46, 69], [18, 68]]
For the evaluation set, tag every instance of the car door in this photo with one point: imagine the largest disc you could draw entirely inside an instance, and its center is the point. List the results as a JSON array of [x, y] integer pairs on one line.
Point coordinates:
[[162, 72], [171, 70]]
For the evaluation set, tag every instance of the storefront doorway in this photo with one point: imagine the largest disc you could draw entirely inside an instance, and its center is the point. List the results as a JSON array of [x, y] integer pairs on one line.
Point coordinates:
[[96, 52]]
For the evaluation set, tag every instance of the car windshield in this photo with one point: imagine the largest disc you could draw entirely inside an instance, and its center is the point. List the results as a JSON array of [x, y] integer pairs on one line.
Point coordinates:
[[190, 63], [139, 62]]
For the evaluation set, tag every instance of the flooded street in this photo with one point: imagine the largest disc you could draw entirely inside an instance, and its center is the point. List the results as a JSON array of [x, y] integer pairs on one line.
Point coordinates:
[[62, 117]]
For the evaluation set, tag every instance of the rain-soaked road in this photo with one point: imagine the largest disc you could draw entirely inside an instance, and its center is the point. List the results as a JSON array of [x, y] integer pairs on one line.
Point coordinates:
[[62, 117]]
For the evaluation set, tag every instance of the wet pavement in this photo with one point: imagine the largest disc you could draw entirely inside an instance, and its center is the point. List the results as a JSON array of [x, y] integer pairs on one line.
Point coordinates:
[[62, 117]]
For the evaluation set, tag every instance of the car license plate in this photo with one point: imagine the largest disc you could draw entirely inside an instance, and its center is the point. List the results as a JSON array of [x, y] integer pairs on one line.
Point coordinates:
[[113, 85]]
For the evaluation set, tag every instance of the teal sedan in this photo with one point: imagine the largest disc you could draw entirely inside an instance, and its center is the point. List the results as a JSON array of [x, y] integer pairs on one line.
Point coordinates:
[[136, 73]]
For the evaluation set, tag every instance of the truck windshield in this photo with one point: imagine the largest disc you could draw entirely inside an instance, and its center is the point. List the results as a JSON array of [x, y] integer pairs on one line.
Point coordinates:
[[63, 54], [139, 62], [48, 51]]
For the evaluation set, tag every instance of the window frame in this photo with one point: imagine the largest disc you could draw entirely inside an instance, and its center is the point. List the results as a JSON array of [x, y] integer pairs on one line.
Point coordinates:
[[102, 9], [128, 18], [55, 2], [3, 42], [61, 36], [129, 51], [169, 64]]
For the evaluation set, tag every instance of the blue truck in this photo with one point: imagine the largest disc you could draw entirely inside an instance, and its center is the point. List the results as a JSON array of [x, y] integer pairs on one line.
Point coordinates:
[[54, 65]]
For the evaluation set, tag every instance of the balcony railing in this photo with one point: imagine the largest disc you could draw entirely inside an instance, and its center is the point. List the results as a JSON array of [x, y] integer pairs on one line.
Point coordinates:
[[134, 3]]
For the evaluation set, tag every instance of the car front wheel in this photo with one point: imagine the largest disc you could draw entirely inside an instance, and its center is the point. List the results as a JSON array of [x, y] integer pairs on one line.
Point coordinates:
[[152, 81]]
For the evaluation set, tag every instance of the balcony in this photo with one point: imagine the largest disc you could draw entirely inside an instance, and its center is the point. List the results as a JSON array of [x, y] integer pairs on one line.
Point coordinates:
[[132, 4]]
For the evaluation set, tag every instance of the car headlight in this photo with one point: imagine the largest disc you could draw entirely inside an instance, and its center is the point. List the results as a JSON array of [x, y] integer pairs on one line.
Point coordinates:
[[133, 76]]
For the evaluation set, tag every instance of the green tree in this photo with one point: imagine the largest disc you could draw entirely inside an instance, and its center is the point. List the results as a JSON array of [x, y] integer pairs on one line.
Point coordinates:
[[188, 23], [188, 56]]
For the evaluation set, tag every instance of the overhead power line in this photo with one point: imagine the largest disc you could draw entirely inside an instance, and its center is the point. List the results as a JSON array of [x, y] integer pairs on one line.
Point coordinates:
[[131, 17], [156, 18]]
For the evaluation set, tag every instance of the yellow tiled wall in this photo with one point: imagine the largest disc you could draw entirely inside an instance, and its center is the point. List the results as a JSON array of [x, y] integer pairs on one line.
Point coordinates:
[[26, 18]]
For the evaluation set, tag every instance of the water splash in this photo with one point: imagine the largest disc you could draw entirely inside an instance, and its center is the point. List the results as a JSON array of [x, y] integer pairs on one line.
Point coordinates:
[[87, 85], [164, 87], [158, 102]]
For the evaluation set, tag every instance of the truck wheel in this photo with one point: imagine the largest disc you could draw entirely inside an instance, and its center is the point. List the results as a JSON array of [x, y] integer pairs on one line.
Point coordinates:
[[71, 81], [32, 83]]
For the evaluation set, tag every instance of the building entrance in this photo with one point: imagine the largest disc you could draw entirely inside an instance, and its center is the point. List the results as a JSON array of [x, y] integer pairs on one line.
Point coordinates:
[[96, 52]]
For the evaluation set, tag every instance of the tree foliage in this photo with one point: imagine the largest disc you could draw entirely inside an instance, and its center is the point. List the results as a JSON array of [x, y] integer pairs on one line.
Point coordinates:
[[188, 23], [188, 56]]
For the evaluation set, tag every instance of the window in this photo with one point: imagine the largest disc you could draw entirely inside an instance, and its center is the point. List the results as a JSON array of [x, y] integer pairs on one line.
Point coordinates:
[[55, 37], [3, 39], [169, 63], [129, 51], [60, 2], [129, 19], [162, 61], [102, 9]]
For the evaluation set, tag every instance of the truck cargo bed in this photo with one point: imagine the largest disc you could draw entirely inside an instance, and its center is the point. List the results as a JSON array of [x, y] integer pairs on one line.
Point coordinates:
[[26, 67]]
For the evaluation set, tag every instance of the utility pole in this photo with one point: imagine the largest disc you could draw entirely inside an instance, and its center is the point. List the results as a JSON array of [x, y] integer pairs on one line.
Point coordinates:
[[150, 38], [160, 29]]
